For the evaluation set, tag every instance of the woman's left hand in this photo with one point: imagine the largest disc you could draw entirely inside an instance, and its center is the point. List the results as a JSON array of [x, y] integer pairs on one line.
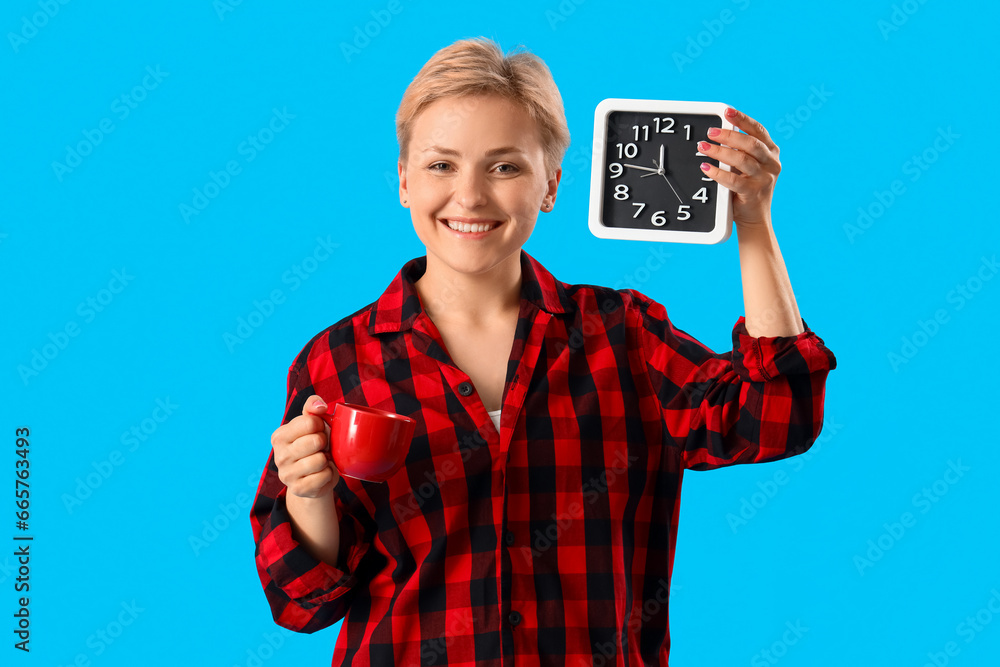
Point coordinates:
[[753, 158]]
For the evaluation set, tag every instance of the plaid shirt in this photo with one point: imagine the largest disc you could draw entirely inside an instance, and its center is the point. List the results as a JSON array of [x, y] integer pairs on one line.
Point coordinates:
[[552, 540]]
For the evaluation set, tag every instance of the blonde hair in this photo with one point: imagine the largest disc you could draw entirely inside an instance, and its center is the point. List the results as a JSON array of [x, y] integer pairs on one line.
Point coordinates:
[[478, 66]]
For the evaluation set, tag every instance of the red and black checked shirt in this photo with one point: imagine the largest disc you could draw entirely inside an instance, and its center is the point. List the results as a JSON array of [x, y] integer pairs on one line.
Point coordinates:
[[552, 541]]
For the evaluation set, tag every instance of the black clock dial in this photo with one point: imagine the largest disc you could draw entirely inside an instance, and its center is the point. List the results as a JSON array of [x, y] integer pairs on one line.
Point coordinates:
[[637, 192]]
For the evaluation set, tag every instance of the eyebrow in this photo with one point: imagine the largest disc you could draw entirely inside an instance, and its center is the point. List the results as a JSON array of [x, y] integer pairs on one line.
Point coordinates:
[[503, 150]]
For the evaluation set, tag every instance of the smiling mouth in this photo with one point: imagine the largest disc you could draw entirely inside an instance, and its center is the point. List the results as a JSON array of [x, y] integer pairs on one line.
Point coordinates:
[[471, 228]]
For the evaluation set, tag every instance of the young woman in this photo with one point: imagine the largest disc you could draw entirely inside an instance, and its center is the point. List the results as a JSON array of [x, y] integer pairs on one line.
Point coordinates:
[[537, 511]]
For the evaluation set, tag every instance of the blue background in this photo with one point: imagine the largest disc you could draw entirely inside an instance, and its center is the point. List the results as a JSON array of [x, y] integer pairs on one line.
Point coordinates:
[[123, 549]]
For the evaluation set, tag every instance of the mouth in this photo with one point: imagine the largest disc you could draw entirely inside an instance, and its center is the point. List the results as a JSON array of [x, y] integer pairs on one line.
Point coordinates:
[[477, 229]]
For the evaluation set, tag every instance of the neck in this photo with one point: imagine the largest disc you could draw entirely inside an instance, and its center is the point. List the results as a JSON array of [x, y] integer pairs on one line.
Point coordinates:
[[451, 296]]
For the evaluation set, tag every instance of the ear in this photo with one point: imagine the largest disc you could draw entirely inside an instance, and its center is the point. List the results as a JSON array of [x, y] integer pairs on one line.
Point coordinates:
[[404, 197], [553, 185]]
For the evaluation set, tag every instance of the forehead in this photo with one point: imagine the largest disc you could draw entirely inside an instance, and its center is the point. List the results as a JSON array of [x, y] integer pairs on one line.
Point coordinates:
[[475, 120]]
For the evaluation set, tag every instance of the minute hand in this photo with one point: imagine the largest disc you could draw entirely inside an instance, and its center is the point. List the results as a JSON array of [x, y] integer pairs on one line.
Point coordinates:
[[671, 187], [662, 171]]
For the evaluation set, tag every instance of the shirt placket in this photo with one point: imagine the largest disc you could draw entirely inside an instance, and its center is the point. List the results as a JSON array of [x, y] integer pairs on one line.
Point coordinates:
[[523, 359], [525, 354]]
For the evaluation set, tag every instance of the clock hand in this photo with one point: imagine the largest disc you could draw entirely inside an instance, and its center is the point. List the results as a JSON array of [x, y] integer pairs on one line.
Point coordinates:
[[635, 166], [663, 172], [672, 188], [658, 170]]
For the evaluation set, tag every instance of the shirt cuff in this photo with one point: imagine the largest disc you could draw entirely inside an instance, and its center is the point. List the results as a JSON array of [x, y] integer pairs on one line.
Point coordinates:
[[762, 358], [303, 577]]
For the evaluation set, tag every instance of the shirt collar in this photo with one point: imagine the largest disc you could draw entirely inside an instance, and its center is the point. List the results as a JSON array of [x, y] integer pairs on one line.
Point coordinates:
[[399, 305]]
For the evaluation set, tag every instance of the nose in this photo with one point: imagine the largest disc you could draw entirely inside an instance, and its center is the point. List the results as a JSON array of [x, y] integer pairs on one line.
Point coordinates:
[[471, 189]]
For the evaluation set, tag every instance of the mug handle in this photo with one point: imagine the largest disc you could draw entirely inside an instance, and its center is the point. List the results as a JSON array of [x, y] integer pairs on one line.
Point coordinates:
[[328, 418]]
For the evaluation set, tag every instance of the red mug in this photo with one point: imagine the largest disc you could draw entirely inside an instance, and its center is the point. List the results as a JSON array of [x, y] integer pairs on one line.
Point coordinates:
[[367, 443]]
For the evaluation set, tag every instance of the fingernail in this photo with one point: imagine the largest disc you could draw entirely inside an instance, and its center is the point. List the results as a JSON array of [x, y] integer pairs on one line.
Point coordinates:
[[713, 131], [704, 166], [319, 403], [730, 112]]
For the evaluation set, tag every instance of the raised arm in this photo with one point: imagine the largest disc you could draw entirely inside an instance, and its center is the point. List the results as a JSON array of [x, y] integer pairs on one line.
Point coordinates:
[[767, 292], [763, 400]]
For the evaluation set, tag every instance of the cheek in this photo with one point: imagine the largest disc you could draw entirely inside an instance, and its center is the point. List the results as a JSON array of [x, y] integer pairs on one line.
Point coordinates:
[[428, 193]]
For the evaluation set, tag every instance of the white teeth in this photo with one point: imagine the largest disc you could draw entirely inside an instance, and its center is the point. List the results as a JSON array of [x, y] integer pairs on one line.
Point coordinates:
[[466, 227]]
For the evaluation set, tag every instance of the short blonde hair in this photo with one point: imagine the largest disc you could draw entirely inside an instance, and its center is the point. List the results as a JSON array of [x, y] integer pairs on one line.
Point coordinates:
[[478, 66]]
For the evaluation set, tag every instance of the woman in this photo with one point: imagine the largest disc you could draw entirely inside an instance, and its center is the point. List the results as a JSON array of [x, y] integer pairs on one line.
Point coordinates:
[[536, 513]]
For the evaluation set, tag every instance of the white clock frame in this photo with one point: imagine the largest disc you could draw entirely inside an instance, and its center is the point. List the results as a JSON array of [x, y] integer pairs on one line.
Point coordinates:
[[723, 206]]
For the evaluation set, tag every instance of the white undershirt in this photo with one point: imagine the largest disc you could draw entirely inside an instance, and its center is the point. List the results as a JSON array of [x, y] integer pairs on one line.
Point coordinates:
[[495, 416]]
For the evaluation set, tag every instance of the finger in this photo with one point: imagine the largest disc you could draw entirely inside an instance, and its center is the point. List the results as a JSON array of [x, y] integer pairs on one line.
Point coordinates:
[[313, 485], [745, 162], [751, 127], [308, 465], [745, 143], [306, 445], [307, 422], [296, 428], [287, 453], [735, 182], [315, 405]]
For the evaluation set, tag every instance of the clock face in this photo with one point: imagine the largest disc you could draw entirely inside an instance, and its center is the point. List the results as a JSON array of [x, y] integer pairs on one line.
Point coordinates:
[[652, 177]]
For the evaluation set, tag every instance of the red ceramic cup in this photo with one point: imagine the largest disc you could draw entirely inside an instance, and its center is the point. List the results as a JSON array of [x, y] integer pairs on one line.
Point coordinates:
[[367, 443]]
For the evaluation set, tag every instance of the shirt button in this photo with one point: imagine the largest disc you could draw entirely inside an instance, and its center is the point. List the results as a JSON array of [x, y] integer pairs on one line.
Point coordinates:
[[465, 388], [509, 538], [514, 618]]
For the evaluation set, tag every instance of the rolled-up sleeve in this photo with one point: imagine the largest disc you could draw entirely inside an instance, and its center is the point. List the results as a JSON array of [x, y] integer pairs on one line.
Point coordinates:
[[761, 401], [306, 594]]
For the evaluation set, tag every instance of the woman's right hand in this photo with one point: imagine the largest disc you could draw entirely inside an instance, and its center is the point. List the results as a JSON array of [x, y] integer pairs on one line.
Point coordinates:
[[302, 453]]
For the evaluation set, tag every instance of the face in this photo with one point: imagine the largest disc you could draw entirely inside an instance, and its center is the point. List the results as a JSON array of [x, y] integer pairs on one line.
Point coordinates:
[[475, 159]]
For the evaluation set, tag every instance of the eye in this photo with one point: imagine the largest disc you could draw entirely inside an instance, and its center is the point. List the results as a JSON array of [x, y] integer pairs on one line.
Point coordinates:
[[437, 164], [513, 168]]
